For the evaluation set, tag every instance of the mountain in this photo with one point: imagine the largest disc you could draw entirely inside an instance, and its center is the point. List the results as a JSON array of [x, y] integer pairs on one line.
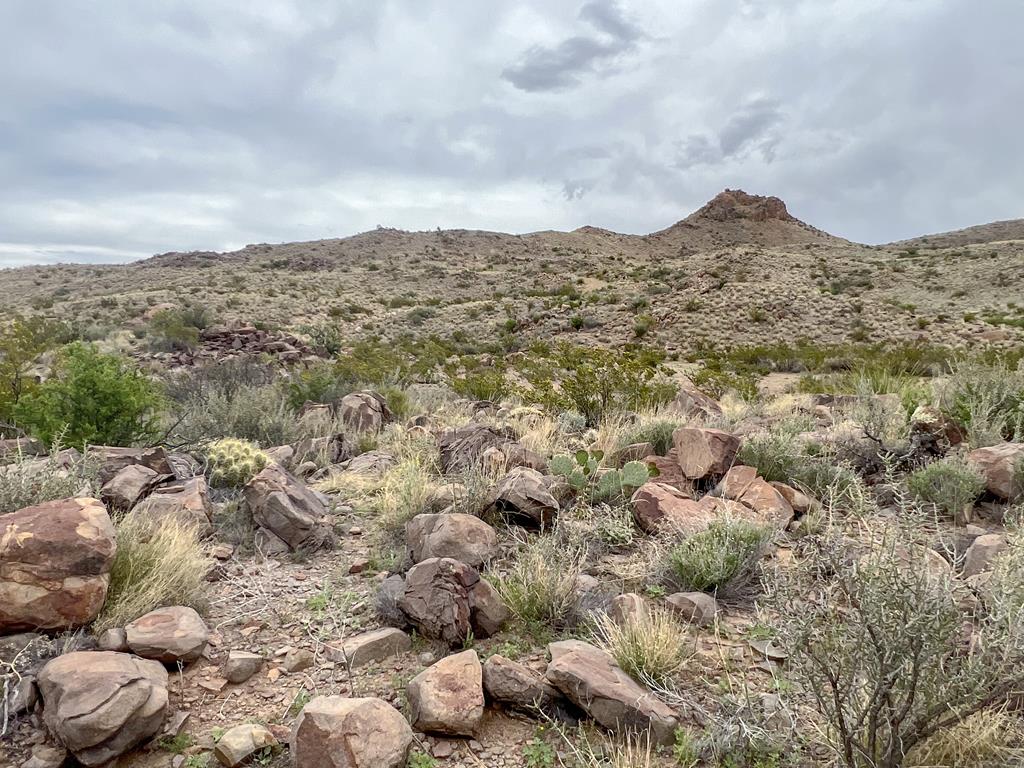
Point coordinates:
[[1011, 230]]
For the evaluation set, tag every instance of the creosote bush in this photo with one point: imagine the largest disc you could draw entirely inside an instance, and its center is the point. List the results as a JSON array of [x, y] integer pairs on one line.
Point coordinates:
[[155, 566], [951, 485], [724, 559]]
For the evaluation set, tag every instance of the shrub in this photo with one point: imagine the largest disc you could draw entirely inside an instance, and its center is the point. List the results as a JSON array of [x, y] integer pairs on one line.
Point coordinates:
[[987, 398], [656, 431], [540, 586], [233, 463], [92, 397], [649, 645], [880, 649], [28, 481], [724, 559], [22, 342], [259, 414], [153, 567], [951, 485], [169, 331]]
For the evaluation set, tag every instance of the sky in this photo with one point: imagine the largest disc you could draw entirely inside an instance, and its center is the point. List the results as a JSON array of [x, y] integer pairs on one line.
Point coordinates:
[[134, 127]]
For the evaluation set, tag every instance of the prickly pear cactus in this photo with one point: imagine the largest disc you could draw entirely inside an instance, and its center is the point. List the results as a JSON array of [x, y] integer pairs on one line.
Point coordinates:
[[635, 474], [234, 462]]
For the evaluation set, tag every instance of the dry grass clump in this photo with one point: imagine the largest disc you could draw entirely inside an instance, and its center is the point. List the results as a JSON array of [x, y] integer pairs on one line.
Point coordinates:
[[28, 481], [155, 566], [539, 588], [632, 750], [983, 740], [650, 645], [406, 491]]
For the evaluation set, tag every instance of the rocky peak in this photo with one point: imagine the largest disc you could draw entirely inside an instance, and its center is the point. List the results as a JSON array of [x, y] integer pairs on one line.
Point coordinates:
[[734, 204]]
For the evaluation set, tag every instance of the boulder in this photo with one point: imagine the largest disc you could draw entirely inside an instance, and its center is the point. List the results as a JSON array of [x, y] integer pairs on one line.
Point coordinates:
[[101, 704], [238, 744], [113, 639], [389, 595], [187, 502], [627, 607], [364, 411], [376, 645], [704, 452], [519, 687], [669, 471], [590, 678], [170, 635], [241, 665], [448, 697], [632, 452], [997, 465], [112, 460], [445, 599], [55, 561], [125, 489], [372, 463], [18, 447], [283, 505], [698, 608], [982, 553], [798, 500], [657, 505], [744, 485], [523, 496], [462, 449], [465, 538], [338, 732], [693, 403]]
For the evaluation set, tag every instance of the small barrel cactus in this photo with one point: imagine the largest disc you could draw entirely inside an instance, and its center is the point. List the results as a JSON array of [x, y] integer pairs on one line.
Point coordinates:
[[234, 462]]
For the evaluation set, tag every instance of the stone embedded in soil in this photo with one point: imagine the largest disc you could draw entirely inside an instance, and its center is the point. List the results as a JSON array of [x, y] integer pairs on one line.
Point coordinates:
[[339, 732], [448, 698], [368, 647], [172, 634]]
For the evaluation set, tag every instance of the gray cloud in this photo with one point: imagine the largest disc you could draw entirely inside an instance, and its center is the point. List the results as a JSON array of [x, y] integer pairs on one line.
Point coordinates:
[[544, 68], [134, 128]]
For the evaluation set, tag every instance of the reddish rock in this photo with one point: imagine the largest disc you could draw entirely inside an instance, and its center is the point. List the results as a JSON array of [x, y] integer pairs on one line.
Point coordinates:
[[339, 732], [187, 502], [448, 697], [997, 464], [744, 485], [55, 561], [704, 452]]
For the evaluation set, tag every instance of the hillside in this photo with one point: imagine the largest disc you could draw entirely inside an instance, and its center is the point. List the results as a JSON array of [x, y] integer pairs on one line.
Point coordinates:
[[740, 270], [995, 232]]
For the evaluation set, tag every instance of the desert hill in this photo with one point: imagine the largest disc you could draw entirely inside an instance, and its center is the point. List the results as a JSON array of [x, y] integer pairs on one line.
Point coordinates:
[[740, 270], [995, 232]]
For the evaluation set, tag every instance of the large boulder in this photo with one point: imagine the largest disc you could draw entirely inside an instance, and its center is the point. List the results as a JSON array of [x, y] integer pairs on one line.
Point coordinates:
[[338, 732], [465, 538], [693, 403], [448, 697], [446, 600], [170, 635], [101, 704], [112, 460], [981, 555], [704, 452], [591, 679], [743, 484], [371, 463], [364, 411], [125, 489], [657, 505], [55, 561], [998, 465], [463, 448], [523, 496], [186, 502], [282, 504]]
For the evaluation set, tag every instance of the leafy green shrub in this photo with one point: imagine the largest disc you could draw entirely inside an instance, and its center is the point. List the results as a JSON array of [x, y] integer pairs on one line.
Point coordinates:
[[596, 382], [28, 481], [950, 484], [22, 342], [92, 397], [723, 559], [154, 567], [484, 384], [233, 463], [987, 398], [169, 331]]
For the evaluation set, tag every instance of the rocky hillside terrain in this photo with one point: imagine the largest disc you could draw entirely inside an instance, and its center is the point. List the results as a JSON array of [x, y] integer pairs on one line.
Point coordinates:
[[739, 271], [736, 493]]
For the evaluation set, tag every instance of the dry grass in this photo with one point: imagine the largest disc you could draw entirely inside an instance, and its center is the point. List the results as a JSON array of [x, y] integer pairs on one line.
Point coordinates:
[[540, 585], [984, 740], [648, 645], [633, 750], [154, 567]]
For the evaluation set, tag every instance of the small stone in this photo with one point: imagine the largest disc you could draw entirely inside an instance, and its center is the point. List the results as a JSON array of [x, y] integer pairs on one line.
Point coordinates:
[[359, 565], [297, 660], [371, 646], [241, 665], [115, 639], [242, 741], [44, 756]]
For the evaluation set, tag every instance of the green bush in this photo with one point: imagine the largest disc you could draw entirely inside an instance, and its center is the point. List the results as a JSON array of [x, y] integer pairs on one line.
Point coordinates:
[[987, 398], [723, 559], [950, 484], [596, 382], [657, 432], [92, 397], [22, 342], [28, 481], [168, 332]]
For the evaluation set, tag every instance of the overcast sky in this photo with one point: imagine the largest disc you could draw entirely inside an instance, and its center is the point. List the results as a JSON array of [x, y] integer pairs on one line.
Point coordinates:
[[132, 127]]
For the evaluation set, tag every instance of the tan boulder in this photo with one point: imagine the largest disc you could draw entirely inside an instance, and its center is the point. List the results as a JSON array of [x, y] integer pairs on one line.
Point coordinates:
[[518, 687], [997, 465], [523, 496], [364, 411], [980, 556], [284, 506], [744, 485], [113, 459], [590, 678], [693, 403], [101, 704], [465, 538], [55, 561], [448, 697], [238, 744], [339, 732], [627, 607], [657, 505], [367, 647], [698, 608], [798, 500], [187, 502], [241, 665], [125, 489], [704, 452], [170, 635]]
